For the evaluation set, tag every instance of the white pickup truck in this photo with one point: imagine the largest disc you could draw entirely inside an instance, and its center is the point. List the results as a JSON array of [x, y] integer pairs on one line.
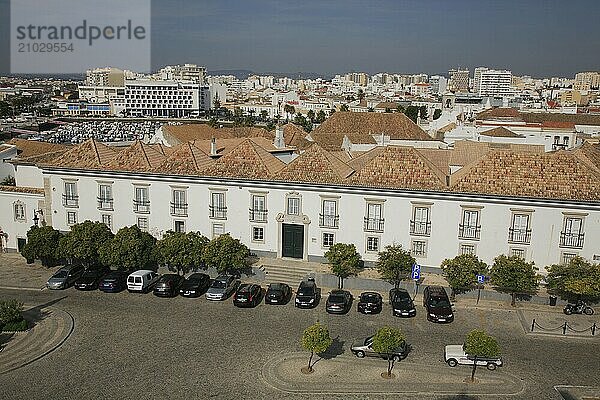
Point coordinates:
[[454, 355]]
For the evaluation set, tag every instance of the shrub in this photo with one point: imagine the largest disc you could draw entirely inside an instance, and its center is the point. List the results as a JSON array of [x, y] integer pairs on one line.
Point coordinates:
[[11, 311], [18, 326]]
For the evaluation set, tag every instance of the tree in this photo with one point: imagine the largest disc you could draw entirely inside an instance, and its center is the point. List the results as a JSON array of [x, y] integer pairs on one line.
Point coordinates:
[[8, 181], [515, 276], [360, 94], [400, 108], [394, 264], [412, 112], [42, 243], [226, 254], [311, 116], [386, 341], [577, 280], [479, 344], [437, 114], [129, 249], [320, 118], [81, 244], [315, 339], [344, 261], [344, 107], [213, 122], [289, 110], [264, 114], [181, 252], [461, 272]]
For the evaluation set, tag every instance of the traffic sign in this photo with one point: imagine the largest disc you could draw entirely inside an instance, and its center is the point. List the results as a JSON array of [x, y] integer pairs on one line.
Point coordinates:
[[480, 278], [416, 272]]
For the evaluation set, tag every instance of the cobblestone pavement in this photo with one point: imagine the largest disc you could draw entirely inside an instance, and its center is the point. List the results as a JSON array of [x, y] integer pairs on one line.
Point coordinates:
[[140, 346]]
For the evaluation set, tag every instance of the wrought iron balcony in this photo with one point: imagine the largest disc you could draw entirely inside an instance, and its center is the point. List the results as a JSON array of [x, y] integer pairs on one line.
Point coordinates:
[[469, 231], [373, 224], [420, 228], [70, 200], [141, 206], [257, 215], [217, 212], [179, 209], [519, 235], [571, 240], [329, 221], [105, 203]]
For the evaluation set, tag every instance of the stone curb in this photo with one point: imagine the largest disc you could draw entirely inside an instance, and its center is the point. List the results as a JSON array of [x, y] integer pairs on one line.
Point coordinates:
[[346, 375], [68, 325]]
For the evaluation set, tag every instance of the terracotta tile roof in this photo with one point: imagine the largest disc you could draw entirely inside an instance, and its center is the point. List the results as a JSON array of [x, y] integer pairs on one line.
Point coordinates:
[[438, 157], [315, 165], [333, 141], [28, 148], [185, 159], [138, 157], [293, 135], [576, 119], [499, 112], [90, 154], [397, 125], [589, 154], [501, 132], [21, 189], [177, 134], [5, 147], [558, 125], [360, 160], [247, 160], [343, 155], [399, 167], [467, 151], [40, 158], [558, 175], [387, 104], [447, 128], [249, 131]]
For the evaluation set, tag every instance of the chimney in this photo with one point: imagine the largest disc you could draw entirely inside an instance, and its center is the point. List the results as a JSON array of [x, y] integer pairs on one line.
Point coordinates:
[[213, 146], [279, 142]]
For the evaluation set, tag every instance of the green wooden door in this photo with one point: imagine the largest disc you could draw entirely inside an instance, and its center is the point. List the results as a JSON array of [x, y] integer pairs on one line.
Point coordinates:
[[293, 241]]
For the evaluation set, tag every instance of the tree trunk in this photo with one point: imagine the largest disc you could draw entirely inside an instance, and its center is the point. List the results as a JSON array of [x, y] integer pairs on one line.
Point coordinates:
[[310, 361], [390, 367], [340, 282], [513, 300], [474, 369]]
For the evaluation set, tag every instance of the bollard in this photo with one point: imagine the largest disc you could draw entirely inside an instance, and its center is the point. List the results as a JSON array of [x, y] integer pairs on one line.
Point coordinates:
[[565, 328], [594, 329], [532, 325]]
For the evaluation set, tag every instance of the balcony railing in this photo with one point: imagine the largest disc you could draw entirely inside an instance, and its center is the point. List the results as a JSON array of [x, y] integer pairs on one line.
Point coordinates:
[[373, 224], [217, 212], [179, 209], [105, 203], [519, 235], [469, 231], [420, 228], [141, 206], [70, 200], [329, 221], [257, 215], [571, 240]]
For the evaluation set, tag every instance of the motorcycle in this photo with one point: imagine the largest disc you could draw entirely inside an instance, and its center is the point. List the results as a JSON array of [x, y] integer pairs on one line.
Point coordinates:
[[579, 308]]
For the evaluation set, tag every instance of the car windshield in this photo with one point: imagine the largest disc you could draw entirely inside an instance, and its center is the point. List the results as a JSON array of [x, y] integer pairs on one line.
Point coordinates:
[[61, 274], [402, 299], [219, 285], [91, 273], [336, 298], [305, 291], [195, 278], [433, 302], [275, 292], [369, 298]]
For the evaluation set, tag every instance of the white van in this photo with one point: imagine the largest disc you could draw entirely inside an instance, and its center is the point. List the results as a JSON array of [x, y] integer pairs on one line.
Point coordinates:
[[142, 280]]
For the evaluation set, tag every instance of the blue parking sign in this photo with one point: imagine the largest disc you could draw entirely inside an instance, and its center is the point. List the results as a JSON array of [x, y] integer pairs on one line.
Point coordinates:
[[416, 272], [480, 278]]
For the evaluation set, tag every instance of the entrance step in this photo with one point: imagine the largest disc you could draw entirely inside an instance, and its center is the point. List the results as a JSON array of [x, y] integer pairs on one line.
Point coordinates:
[[290, 274]]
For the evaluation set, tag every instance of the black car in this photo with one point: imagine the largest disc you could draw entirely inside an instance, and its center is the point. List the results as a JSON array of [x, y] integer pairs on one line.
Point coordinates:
[[195, 285], [370, 303], [307, 295], [338, 302], [402, 303], [168, 285], [247, 295], [435, 300], [278, 293], [114, 282], [90, 279]]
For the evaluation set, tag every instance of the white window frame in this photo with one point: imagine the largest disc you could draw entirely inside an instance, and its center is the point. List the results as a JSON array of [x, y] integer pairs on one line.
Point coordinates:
[[105, 197], [463, 246], [218, 205], [19, 211], [566, 256], [71, 199], [370, 249], [513, 251], [216, 227], [142, 195], [324, 244], [108, 217], [257, 238], [418, 254], [71, 221], [329, 212], [141, 226], [421, 217], [177, 222], [179, 205], [293, 205], [258, 208]]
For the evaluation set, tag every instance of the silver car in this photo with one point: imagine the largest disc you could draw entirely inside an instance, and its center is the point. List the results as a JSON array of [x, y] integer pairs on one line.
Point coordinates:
[[365, 349], [64, 277], [222, 287]]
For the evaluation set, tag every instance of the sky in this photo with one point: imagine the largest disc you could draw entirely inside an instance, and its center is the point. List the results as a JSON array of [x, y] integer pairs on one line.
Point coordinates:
[[534, 37]]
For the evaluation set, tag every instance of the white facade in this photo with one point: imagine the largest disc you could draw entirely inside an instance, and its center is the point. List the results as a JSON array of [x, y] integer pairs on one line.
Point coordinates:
[[493, 82], [159, 98], [16, 217]]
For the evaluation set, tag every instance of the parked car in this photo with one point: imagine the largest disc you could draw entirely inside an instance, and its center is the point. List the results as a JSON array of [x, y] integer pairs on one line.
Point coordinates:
[[338, 302], [168, 285], [278, 293], [370, 303], [222, 287], [402, 303], [90, 279], [114, 282], [142, 280], [247, 295], [454, 354], [365, 349], [64, 277], [307, 295], [437, 304], [195, 285]]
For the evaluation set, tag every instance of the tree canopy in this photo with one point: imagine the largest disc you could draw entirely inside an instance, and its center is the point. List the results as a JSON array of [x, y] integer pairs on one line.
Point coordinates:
[[479, 344], [81, 244], [344, 261], [386, 341], [514, 275], [226, 254], [315, 339], [577, 280], [394, 264], [130, 249], [461, 272], [42, 244], [181, 252]]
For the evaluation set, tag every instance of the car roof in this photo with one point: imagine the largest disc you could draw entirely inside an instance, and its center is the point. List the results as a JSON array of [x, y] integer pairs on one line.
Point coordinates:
[[140, 272], [339, 291], [370, 294], [277, 285]]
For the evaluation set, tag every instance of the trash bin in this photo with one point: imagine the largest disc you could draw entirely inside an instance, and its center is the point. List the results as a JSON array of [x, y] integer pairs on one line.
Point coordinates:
[[553, 301]]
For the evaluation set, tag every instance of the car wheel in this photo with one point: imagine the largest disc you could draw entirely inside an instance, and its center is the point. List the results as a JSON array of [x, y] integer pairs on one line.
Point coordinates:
[[452, 362], [491, 366], [360, 354]]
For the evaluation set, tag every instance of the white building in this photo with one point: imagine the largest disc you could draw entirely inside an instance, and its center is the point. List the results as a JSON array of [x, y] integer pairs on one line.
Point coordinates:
[[160, 98], [490, 82], [438, 83]]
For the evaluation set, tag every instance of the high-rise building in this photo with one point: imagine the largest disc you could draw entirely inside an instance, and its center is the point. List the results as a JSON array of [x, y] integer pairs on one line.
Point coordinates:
[[477, 78], [587, 81], [185, 72], [459, 80], [165, 98], [108, 76], [438, 84], [493, 82]]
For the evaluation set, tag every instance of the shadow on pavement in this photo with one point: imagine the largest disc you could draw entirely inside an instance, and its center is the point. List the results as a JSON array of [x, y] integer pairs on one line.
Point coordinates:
[[336, 349], [459, 397], [37, 314]]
